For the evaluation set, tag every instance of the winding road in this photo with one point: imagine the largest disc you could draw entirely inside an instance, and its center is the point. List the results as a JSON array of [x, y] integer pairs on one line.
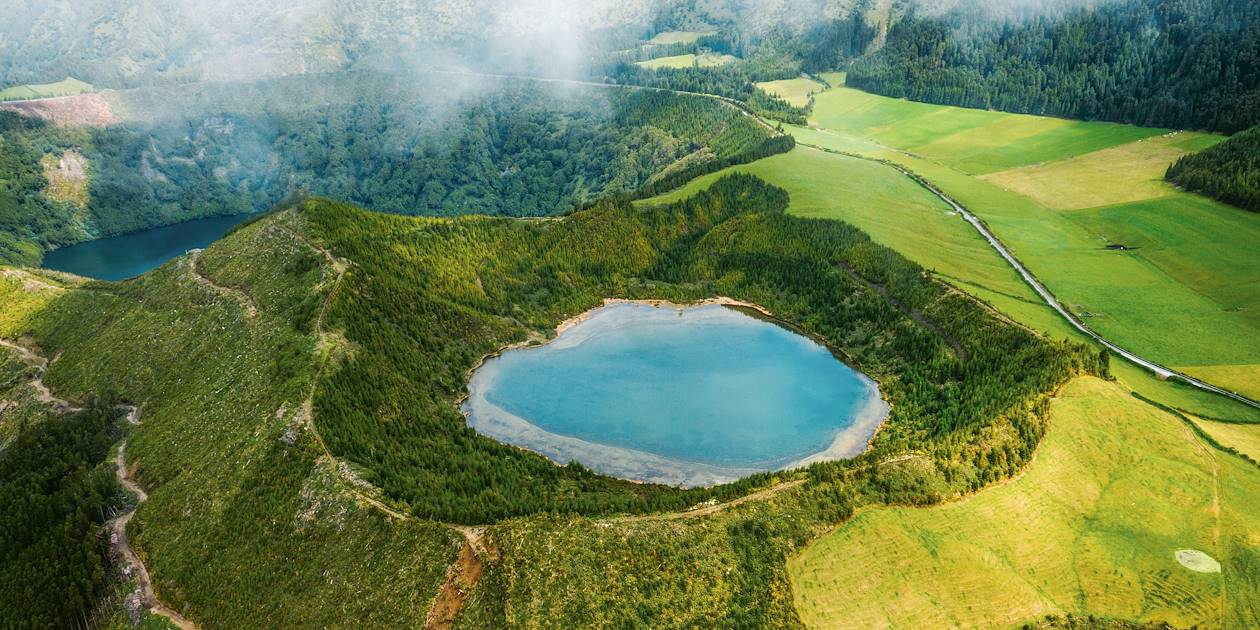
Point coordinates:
[[1031, 280], [1046, 296]]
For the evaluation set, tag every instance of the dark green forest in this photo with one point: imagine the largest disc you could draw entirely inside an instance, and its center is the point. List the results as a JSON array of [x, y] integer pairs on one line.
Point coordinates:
[[56, 490], [427, 298], [519, 151], [1183, 64], [1229, 171]]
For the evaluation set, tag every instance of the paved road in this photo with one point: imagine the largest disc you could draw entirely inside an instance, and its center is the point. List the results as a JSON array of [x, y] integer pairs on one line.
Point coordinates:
[[1032, 281]]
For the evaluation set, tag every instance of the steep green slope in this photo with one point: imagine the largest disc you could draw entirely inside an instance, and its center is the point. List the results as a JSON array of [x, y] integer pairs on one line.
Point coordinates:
[[1229, 171], [363, 325], [195, 151]]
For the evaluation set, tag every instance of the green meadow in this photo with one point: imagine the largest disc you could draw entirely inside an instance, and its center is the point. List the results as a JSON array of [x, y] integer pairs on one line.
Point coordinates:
[[1091, 527], [796, 92], [703, 60], [677, 37], [68, 86]]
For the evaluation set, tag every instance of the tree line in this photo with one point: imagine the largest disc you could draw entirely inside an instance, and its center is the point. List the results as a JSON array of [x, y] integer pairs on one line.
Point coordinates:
[[1186, 64], [1229, 171], [423, 309]]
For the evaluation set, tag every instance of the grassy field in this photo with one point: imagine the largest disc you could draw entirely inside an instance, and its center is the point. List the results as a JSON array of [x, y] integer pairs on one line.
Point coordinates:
[[1117, 487], [66, 87], [795, 92], [1243, 437], [702, 60], [1123, 174], [974, 141], [677, 37], [1193, 260]]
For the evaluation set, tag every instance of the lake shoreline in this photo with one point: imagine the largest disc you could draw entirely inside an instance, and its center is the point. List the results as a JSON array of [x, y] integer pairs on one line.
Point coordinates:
[[638, 466]]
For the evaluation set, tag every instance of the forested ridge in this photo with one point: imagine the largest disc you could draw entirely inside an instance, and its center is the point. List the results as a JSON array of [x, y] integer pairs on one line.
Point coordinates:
[[56, 490], [1185, 64], [516, 151], [423, 310], [1229, 171]]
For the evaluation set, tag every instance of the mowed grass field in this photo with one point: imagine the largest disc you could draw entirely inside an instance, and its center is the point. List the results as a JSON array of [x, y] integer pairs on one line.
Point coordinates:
[[1117, 487], [1182, 295], [1243, 437], [1123, 174], [677, 37], [702, 60], [795, 92], [66, 87], [973, 141]]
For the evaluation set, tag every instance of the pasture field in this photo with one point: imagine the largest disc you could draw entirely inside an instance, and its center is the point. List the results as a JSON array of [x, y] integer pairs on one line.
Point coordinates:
[[795, 92], [677, 37], [1193, 260], [974, 141], [1243, 437], [898, 213], [703, 60], [1092, 526], [1240, 378], [1123, 174], [68, 86]]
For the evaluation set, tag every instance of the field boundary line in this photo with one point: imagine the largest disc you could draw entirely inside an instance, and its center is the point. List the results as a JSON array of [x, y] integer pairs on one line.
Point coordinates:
[[1161, 371]]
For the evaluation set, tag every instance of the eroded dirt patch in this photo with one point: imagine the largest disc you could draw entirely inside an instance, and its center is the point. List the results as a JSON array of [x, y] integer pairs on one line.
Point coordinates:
[[67, 111], [67, 177]]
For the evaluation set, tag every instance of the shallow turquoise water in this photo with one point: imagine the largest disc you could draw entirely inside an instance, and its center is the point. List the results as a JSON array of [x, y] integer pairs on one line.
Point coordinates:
[[130, 255], [705, 388]]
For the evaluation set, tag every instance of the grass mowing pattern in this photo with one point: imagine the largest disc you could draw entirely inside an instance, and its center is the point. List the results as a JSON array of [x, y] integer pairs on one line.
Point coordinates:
[[974, 141], [1122, 174], [65, 87], [1092, 526], [689, 60], [796, 92]]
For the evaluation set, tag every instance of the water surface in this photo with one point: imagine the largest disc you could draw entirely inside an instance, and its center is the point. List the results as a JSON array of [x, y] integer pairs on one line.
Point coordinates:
[[689, 396], [129, 255]]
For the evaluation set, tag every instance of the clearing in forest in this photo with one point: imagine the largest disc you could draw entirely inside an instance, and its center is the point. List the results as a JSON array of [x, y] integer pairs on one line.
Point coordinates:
[[703, 60], [795, 92]]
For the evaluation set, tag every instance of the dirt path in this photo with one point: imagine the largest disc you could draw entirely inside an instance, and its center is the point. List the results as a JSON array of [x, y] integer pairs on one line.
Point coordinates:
[[251, 309], [144, 595], [42, 393]]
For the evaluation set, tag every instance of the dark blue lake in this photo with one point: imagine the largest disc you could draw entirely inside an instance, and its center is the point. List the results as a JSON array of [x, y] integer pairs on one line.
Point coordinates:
[[685, 396], [129, 255]]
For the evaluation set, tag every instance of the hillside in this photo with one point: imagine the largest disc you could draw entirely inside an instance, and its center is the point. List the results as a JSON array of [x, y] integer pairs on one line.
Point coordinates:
[[1229, 171], [242, 358], [197, 151]]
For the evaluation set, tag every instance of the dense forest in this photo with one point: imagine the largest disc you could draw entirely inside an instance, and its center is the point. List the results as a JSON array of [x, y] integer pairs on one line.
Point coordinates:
[[1186, 64], [423, 310], [56, 489], [1229, 171], [519, 150]]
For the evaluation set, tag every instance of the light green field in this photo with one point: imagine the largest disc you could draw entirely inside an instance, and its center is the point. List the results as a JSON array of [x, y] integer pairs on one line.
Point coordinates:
[[703, 60], [1116, 489], [66, 87], [1195, 259], [794, 92], [971, 140], [1124, 174], [678, 37], [1243, 437], [1244, 379]]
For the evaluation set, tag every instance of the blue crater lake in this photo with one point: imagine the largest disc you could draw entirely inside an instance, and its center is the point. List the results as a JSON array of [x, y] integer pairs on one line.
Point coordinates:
[[129, 255], [686, 396]]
